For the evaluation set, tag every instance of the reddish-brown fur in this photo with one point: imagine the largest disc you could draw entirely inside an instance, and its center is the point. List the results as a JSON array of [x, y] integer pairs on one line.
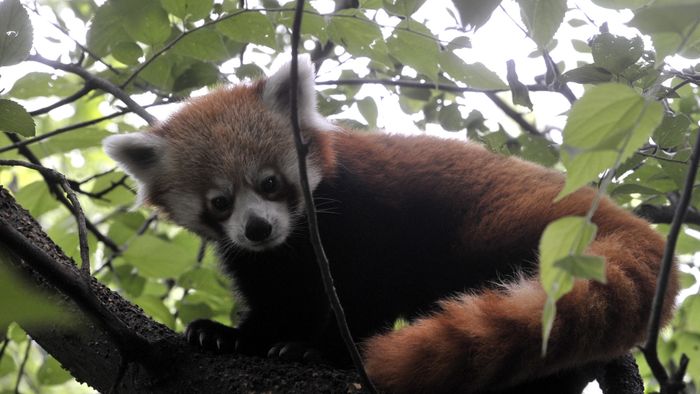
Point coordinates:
[[489, 338]]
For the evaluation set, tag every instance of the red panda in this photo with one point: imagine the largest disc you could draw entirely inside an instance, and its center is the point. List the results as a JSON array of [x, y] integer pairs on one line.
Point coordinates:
[[440, 232]]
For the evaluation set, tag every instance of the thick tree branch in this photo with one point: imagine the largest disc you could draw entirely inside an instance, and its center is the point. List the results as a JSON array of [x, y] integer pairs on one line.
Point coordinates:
[[663, 214], [91, 354]]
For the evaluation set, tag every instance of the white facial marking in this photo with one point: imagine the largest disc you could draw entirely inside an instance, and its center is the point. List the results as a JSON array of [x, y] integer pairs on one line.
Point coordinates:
[[249, 204]]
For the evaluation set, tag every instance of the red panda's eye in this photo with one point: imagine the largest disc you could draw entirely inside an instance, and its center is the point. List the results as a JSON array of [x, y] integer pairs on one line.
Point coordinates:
[[270, 184], [221, 203]]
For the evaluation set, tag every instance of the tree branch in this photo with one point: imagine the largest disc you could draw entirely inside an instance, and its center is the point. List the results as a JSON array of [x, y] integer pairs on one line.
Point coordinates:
[[674, 383], [513, 114], [90, 353], [73, 97], [20, 143], [99, 83], [27, 153], [663, 214]]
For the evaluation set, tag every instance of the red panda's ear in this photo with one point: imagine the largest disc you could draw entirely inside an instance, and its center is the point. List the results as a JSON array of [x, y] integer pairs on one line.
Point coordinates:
[[139, 154], [276, 94]]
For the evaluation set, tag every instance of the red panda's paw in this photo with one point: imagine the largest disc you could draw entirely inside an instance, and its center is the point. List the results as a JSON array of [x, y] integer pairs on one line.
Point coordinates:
[[296, 351], [212, 336]]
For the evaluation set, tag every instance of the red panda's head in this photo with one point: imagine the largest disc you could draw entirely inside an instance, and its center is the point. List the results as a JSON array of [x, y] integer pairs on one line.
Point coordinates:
[[225, 165]]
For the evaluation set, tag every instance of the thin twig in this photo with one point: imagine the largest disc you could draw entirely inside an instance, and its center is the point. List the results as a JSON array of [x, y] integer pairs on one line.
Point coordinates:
[[99, 83], [82, 47], [73, 97], [321, 258], [513, 114], [650, 346], [31, 157], [20, 373], [79, 125], [5, 341], [59, 178], [425, 85]]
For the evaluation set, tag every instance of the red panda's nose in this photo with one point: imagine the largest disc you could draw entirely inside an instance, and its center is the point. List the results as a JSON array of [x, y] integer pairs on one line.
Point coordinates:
[[257, 229]]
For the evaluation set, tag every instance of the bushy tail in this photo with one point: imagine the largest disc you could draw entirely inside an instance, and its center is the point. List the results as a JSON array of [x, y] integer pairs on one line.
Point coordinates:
[[493, 339]]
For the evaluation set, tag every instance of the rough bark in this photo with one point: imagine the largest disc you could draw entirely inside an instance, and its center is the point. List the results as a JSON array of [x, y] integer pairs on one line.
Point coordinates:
[[90, 354]]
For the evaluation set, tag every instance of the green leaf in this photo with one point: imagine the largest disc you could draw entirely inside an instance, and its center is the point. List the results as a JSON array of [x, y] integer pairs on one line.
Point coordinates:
[[51, 373], [414, 45], [548, 315], [106, 30], [689, 344], [538, 150], [77, 139], [521, 96], [459, 42], [36, 198], [312, 23], [160, 71], [581, 46], [606, 114], [127, 52], [204, 44], [621, 4], [197, 75], [154, 307], [450, 118], [129, 280], [475, 13], [20, 302], [542, 18], [402, 7], [144, 21], [7, 365], [189, 311], [170, 261], [577, 23], [607, 124], [692, 310], [368, 109], [16, 34], [615, 53], [474, 75], [588, 73], [564, 237], [584, 167], [584, 267], [666, 17], [672, 130], [191, 10], [206, 280], [358, 35], [37, 84], [15, 119], [249, 27]]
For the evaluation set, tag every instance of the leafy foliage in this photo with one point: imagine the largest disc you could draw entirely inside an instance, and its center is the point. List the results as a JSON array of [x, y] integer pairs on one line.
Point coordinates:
[[630, 113]]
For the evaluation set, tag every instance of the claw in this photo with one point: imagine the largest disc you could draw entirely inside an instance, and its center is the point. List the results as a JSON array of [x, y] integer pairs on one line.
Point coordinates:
[[202, 336]]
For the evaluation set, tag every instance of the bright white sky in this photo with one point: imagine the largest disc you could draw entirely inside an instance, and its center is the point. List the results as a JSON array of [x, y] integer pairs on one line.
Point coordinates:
[[495, 43]]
